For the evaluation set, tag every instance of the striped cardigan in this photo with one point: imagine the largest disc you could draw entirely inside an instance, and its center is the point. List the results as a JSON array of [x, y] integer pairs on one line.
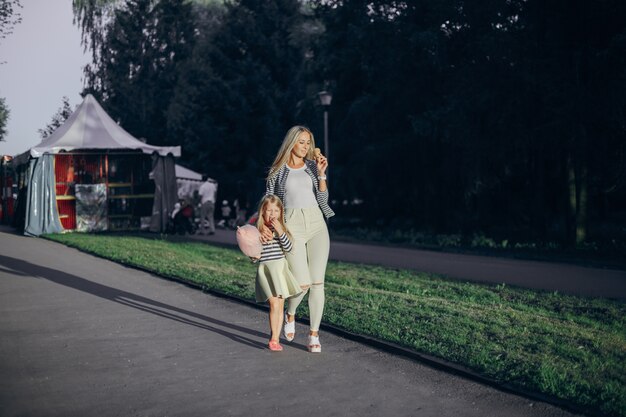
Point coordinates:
[[276, 185]]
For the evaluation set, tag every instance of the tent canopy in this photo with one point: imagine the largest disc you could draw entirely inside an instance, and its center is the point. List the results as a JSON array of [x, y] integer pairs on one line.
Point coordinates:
[[90, 127], [187, 174]]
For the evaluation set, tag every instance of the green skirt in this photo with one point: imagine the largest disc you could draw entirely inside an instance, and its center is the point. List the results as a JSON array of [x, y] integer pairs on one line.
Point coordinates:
[[274, 279]]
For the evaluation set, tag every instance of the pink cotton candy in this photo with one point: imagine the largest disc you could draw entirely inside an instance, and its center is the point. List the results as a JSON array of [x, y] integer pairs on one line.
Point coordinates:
[[249, 241]]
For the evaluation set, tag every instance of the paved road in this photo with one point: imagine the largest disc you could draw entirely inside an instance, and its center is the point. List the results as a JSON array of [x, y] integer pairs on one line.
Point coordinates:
[[566, 278], [82, 336]]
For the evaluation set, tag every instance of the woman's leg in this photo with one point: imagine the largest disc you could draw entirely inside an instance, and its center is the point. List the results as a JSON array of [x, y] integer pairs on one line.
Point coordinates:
[[297, 259], [318, 249], [317, 299], [277, 305], [294, 302]]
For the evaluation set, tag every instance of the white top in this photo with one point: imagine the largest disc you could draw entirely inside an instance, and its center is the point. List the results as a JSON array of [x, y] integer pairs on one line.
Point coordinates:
[[299, 189], [207, 191]]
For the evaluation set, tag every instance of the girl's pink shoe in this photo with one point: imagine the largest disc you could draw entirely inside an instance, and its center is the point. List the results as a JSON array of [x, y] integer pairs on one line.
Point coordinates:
[[275, 346]]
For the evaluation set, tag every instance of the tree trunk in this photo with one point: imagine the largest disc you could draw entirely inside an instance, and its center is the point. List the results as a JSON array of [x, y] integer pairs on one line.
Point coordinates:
[[581, 206], [571, 202], [577, 202]]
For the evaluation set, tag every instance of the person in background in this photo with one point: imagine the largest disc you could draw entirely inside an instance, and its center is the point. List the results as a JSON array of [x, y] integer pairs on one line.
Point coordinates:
[[225, 212], [241, 204], [207, 193]]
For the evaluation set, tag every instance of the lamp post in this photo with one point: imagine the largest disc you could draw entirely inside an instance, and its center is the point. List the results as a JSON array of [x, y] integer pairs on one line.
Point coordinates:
[[325, 99]]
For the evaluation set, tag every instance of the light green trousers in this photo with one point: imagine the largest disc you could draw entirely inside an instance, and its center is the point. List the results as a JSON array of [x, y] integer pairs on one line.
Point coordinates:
[[308, 258]]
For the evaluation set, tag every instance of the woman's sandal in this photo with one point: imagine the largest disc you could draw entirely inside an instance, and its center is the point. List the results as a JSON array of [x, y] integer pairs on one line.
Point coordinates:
[[314, 344], [289, 329], [274, 346]]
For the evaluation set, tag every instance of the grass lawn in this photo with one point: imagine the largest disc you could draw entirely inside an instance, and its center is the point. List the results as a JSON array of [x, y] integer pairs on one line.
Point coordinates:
[[568, 347]]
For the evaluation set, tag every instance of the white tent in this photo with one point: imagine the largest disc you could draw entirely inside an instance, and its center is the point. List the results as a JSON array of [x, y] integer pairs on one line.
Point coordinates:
[[90, 128], [183, 173], [188, 182]]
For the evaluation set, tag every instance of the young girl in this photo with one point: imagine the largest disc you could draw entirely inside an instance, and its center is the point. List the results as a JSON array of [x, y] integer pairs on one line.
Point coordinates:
[[274, 281]]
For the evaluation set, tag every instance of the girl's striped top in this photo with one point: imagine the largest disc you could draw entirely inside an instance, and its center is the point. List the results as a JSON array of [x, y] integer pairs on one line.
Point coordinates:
[[276, 248]]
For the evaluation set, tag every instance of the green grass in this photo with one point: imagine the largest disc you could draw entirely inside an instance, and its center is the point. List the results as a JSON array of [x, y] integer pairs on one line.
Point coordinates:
[[568, 347]]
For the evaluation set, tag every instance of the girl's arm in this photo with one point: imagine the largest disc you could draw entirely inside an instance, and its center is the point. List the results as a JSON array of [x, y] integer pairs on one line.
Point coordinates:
[[285, 243]]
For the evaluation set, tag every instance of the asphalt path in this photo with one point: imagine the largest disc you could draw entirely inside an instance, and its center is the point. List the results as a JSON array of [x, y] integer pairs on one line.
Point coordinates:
[[550, 276], [83, 336]]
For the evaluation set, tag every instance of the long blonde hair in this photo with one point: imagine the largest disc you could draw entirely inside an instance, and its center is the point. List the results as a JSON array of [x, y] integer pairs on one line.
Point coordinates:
[[282, 157], [271, 199]]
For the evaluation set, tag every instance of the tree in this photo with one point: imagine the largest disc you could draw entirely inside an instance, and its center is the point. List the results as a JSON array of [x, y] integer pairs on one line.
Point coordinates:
[[58, 119], [240, 92], [4, 118], [9, 16], [137, 70], [489, 111]]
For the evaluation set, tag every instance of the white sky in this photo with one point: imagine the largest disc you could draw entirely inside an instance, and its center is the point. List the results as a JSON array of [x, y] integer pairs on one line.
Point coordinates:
[[44, 63]]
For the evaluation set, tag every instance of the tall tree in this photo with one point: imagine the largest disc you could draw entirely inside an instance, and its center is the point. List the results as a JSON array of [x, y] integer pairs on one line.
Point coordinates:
[[58, 118], [4, 118], [240, 92], [10, 16], [145, 43]]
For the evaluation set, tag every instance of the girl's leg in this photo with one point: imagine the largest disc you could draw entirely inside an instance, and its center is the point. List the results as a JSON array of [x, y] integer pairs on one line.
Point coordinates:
[[277, 305]]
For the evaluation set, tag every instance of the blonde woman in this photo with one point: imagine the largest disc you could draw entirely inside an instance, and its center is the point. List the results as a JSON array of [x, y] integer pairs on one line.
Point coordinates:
[[298, 178]]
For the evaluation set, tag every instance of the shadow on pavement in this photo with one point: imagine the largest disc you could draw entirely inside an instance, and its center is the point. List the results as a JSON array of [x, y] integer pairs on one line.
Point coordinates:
[[23, 268]]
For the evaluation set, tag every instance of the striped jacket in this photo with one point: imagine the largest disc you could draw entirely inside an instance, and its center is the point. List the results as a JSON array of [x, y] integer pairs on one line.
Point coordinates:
[[276, 185]]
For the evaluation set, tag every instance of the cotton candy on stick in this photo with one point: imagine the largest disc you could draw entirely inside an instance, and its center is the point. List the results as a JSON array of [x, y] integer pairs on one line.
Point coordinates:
[[249, 241]]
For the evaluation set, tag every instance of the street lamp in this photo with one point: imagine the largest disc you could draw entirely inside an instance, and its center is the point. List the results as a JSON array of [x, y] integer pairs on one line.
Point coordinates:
[[325, 99]]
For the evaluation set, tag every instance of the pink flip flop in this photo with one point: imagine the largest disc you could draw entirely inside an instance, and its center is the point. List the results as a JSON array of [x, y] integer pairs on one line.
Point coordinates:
[[275, 346]]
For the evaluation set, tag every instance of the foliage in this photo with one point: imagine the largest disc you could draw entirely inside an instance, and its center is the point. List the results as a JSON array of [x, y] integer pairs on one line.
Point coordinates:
[[568, 347], [9, 16], [58, 119], [144, 45], [479, 106], [92, 16], [238, 93], [4, 118], [502, 117]]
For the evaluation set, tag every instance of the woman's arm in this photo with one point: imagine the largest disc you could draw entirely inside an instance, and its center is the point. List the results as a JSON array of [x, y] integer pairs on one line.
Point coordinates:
[[270, 186], [321, 164]]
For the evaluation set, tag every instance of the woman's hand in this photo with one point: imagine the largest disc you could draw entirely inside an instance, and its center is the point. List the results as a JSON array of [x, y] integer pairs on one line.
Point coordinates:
[[322, 164], [278, 227], [267, 235]]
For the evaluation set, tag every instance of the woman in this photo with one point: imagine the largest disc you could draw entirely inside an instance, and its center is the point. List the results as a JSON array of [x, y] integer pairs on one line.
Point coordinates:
[[298, 178]]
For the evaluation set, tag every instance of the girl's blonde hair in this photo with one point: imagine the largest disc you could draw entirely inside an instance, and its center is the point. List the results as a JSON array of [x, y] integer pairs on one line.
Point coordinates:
[[285, 149], [265, 201]]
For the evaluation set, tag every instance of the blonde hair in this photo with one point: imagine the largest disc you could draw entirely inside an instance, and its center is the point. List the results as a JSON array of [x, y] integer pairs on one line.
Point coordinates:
[[285, 149], [265, 201]]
